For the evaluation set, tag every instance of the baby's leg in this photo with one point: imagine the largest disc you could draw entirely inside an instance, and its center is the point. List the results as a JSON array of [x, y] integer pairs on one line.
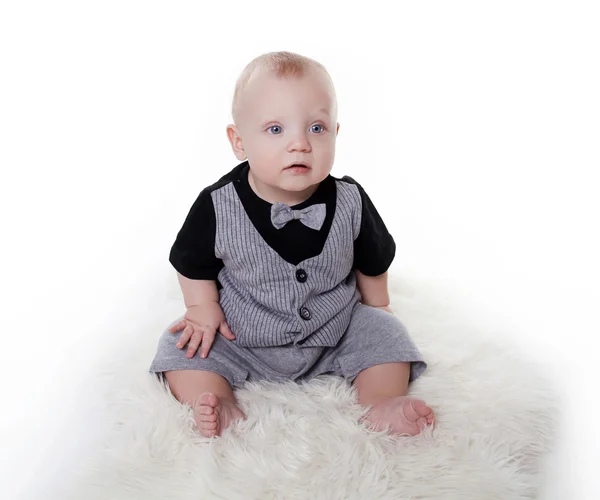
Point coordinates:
[[384, 387], [210, 396]]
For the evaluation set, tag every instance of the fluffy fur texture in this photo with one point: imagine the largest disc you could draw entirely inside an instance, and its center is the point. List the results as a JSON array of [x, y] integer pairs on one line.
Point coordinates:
[[495, 419]]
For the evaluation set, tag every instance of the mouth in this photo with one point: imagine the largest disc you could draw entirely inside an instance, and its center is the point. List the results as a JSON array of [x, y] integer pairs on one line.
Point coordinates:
[[298, 166]]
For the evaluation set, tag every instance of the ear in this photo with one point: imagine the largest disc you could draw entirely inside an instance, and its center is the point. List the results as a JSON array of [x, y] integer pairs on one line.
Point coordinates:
[[235, 140], [337, 129]]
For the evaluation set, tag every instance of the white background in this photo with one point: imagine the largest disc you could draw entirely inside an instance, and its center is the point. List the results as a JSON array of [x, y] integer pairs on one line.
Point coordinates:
[[474, 126]]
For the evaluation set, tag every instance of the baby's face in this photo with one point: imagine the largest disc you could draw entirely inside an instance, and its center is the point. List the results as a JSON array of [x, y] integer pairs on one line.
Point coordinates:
[[287, 121]]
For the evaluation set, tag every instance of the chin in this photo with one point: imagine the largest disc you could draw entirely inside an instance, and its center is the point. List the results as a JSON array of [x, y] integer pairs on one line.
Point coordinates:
[[297, 188]]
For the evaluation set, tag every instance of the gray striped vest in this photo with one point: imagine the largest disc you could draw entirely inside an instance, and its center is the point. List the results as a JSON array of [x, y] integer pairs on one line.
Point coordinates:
[[269, 302]]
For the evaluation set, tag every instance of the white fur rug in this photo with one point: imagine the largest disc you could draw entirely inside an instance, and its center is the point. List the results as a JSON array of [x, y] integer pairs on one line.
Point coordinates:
[[495, 418]]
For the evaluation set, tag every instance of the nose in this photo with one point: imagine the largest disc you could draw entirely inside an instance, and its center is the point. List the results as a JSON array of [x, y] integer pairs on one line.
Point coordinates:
[[299, 143]]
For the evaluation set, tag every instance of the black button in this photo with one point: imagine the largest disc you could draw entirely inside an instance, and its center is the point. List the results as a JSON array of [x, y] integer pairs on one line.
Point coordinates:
[[304, 313], [301, 275]]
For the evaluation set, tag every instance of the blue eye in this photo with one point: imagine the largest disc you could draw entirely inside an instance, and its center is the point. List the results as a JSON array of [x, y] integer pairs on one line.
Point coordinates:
[[317, 125], [275, 127]]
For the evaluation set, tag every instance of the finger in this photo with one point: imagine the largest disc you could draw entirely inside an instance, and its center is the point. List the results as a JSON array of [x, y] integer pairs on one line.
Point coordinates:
[[207, 340], [194, 343], [178, 326], [185, 336], [226, 331]]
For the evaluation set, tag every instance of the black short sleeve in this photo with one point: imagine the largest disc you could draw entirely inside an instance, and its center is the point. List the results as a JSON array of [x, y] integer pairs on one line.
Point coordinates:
[[374, 248], [193, 253]]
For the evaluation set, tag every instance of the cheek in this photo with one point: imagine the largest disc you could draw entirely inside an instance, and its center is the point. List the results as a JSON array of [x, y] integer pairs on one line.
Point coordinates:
[[326, 150], [265, 155], [264, 145], [265, 158], [325, 143], [255, 148]]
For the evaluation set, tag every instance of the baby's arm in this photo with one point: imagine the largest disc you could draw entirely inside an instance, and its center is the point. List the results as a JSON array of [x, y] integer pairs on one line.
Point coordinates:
[[197, 291], [203, 317], [374, 290]]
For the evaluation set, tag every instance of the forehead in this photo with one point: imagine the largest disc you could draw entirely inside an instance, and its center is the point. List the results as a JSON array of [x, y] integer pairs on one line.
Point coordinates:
[[265, 94]]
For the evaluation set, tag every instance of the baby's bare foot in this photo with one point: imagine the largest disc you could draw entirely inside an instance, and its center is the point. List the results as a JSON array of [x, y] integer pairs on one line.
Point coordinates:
[[214, 414], [403, 415]]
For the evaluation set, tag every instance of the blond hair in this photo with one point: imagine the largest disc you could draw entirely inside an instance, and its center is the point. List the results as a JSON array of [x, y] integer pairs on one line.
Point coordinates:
[[281, 64]]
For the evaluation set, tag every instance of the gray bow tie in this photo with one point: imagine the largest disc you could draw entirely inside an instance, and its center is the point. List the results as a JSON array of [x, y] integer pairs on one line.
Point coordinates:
[[312, 216]]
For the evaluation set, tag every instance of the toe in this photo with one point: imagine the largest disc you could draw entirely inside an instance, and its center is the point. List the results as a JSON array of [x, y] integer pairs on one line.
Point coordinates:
[[422, 409], [207, 429], [209, 399], [421, 423], [204, 410], [207, 433], [207, 418]]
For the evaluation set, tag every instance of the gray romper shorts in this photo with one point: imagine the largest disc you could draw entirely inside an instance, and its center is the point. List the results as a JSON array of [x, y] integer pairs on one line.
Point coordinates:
[[373, 337], [289, 293]]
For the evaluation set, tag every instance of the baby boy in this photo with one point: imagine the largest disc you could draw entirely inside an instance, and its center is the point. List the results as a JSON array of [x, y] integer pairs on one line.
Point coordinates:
[[283, 267]]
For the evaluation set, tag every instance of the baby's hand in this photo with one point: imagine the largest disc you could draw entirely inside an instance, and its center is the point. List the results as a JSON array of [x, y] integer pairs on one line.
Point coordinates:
[[199, 326]]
